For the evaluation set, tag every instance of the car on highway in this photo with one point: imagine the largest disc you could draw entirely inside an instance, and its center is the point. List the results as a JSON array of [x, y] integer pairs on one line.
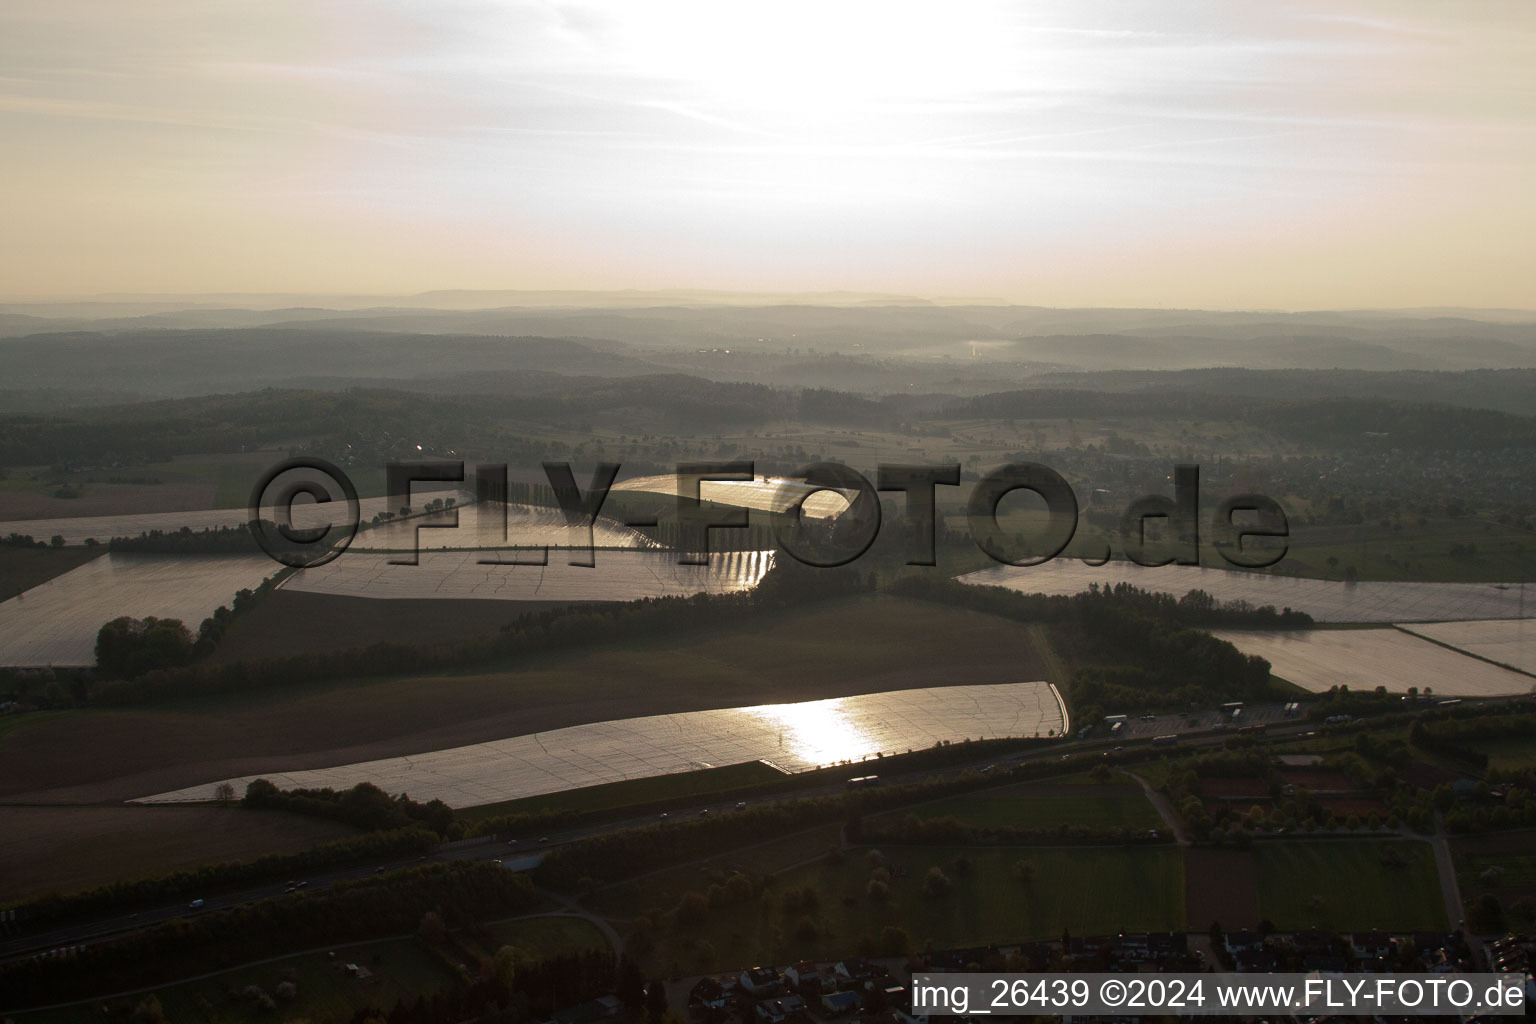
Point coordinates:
[[196, 904]]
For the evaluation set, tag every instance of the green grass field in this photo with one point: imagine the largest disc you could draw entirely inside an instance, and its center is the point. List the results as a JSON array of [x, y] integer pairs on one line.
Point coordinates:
[[1345, 885], [1090, 890], [1405, 550], [400, 968]]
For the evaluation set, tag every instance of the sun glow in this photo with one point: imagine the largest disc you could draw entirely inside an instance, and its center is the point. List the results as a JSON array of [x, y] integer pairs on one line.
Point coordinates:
[[818, 732], [807, 69]]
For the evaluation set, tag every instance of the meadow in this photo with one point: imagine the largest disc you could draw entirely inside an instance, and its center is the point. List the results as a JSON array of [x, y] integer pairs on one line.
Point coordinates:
[[1348, 885]]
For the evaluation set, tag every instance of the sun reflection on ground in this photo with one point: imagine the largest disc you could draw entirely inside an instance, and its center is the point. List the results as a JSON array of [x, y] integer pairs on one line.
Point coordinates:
[[818, 732]]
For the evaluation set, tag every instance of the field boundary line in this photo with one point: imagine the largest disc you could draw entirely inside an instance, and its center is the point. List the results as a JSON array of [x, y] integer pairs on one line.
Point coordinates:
[[1463, 651]]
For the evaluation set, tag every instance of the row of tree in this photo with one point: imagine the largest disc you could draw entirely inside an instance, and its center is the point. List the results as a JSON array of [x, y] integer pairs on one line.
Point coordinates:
[[364, 806], [787, 584], [139, 894], [1147, 651]]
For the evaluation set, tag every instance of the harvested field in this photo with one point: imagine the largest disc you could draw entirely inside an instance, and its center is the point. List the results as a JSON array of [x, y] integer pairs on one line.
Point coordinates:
[[1510, 642], [55, 623], [794, 737], [102, 500], [769, 494], [67, 849], [1363, 659], [490, 525], [858, 646], [627, 575], [1220, 885], [21, 569]]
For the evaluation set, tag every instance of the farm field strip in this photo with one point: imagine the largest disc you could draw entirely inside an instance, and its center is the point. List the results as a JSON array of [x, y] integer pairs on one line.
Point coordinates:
[[627, 575], [480, 526], [306, 515], [1324, 600], [68, 849], [56, 622], [1509, 642], [792, 736], [767, 494], [1364, 659]]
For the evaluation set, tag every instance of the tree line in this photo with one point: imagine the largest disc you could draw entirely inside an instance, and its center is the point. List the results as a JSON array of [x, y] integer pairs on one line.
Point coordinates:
[[121, 897], [1146, 651], [129, 648], [364, 806], [787, 584]]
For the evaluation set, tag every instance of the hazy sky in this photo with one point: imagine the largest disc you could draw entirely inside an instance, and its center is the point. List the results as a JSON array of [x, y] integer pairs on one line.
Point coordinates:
[[1071, 152]]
